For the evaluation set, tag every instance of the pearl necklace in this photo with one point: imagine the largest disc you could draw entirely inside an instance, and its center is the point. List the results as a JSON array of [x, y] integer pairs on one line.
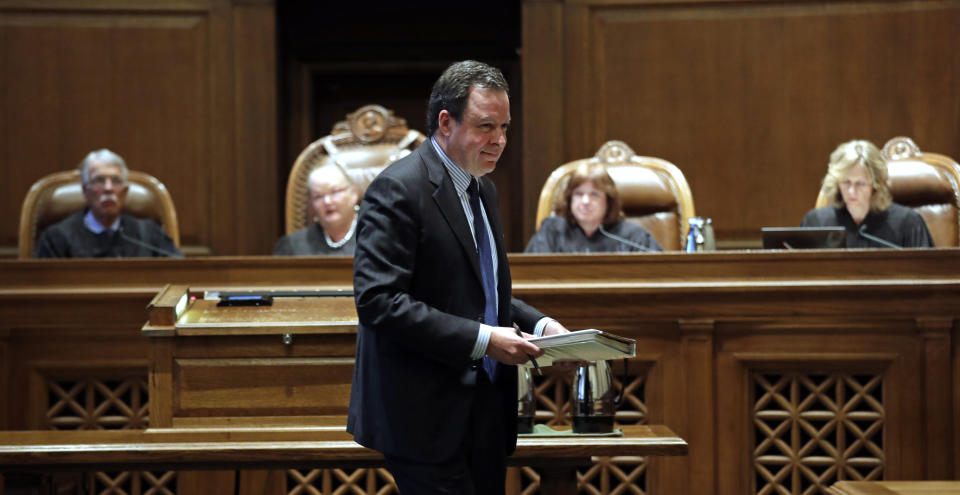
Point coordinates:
[[338, 244]]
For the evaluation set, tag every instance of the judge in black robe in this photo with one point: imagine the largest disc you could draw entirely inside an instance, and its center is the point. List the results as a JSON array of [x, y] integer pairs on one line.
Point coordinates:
[[588, 218], [333, 197], [101, 230], [858, 187]]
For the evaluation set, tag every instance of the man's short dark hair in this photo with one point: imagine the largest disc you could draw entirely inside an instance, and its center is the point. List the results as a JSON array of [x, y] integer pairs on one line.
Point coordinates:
[[452, 89]]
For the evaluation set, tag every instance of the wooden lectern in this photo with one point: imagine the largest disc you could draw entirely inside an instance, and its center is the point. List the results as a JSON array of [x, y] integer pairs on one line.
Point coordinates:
[[287, 364], [250, 373]]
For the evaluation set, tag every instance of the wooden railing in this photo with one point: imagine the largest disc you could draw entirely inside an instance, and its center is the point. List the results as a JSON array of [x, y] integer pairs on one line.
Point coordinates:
[[275, 448]]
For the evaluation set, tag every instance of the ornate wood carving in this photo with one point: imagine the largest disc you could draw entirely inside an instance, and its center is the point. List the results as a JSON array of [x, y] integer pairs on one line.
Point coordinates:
[[95, 403], [812, 430], [336, 481]]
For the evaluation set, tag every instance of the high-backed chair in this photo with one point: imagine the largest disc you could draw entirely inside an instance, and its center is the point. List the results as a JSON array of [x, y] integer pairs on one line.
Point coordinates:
[[927, 182], [370, 139], [58, 195], [653, 192]]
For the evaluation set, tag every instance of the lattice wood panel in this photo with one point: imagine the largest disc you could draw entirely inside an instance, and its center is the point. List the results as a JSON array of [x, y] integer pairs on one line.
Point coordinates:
[[608, 475], [614, 476], [96, 404], [814, 429], [340, 482], [132, 483], [90, 403], [554, 406]]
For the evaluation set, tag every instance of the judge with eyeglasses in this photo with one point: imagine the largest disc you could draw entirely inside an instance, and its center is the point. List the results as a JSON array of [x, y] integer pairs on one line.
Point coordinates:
[[100, 230], [859, 189], [334, 199]]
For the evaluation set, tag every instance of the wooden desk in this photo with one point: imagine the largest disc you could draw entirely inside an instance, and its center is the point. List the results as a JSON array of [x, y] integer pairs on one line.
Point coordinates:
[[896, 488], [260, 448]]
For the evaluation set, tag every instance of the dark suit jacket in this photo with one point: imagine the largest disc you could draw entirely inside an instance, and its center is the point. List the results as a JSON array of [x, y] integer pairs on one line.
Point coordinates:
[[420, 299]]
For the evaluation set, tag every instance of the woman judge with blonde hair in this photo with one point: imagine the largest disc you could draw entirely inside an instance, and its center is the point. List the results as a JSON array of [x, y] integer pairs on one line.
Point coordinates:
[[859, 191]]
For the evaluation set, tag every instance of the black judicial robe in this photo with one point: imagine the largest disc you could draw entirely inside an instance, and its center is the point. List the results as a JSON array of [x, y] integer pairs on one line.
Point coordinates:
[[897, 224], [310, 241], [559, 235], [70, 238]]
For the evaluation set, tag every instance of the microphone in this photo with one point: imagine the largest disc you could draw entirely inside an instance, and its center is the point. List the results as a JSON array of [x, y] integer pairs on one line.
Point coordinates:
[[138, 242], [624, 240], [863, 233]]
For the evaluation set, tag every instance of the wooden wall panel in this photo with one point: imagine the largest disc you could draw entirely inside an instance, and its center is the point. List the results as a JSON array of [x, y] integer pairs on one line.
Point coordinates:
[[956, 398], [4, 373], [892, 351], [747, 98], [705, 325], [184, 91]]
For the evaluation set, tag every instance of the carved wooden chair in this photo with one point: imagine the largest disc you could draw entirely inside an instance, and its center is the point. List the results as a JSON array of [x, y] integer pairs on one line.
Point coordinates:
[[370, 139], [927, 182], [58, 195], [654, 193]]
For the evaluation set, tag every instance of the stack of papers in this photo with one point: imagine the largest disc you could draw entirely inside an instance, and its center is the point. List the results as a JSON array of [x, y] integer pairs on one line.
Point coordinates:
[[583, 345]]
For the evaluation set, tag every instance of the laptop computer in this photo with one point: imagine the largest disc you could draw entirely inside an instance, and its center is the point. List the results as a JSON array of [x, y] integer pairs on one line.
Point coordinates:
[[803, 237]]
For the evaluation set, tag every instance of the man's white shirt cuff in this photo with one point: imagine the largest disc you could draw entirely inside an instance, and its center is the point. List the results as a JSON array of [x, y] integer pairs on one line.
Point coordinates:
[[483, 338], [541, 325]]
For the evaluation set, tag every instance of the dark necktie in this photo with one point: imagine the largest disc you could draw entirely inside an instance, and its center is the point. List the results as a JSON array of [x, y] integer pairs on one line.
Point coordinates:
[[486, 269]]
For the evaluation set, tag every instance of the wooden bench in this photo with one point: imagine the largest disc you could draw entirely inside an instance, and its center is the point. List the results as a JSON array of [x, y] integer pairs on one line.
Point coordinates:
[[293, 447]]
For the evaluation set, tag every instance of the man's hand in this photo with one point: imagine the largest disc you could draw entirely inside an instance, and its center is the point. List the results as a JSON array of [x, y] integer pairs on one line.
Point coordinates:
[[509, 348], [554, 328]]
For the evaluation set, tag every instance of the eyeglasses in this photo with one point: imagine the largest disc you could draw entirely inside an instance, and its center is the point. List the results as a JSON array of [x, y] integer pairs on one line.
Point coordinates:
[[858, 184], [100, 181], [334, 195]]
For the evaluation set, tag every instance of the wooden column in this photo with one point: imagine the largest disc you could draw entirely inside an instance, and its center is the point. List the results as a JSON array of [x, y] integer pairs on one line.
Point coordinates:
[[699, 394], [938, 420]]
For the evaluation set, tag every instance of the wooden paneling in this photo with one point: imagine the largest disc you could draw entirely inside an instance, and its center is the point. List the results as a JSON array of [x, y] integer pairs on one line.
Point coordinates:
[[258, 386], [184, 91], [746, 98], [542, 152], [4, 374], [68, 353], [707, 325], [956, 398]]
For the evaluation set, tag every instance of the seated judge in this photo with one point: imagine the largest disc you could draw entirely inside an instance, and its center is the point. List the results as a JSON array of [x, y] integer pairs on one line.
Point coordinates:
[[100, 230], [859, 188], [588, 218], [334, 198]]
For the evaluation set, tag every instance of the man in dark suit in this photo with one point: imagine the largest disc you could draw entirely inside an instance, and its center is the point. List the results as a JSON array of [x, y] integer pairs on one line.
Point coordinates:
[[434, 387]]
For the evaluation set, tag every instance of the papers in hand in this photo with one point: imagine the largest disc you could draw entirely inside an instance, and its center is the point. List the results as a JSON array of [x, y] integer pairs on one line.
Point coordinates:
[[583, 345]]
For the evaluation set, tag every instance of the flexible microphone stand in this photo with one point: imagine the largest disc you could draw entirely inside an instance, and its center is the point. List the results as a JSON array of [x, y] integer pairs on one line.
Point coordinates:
[[624, 240], [863, 233], [142, 244]]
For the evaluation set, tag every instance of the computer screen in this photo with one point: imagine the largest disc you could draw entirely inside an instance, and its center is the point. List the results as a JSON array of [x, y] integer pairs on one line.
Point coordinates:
[[803, 237]]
